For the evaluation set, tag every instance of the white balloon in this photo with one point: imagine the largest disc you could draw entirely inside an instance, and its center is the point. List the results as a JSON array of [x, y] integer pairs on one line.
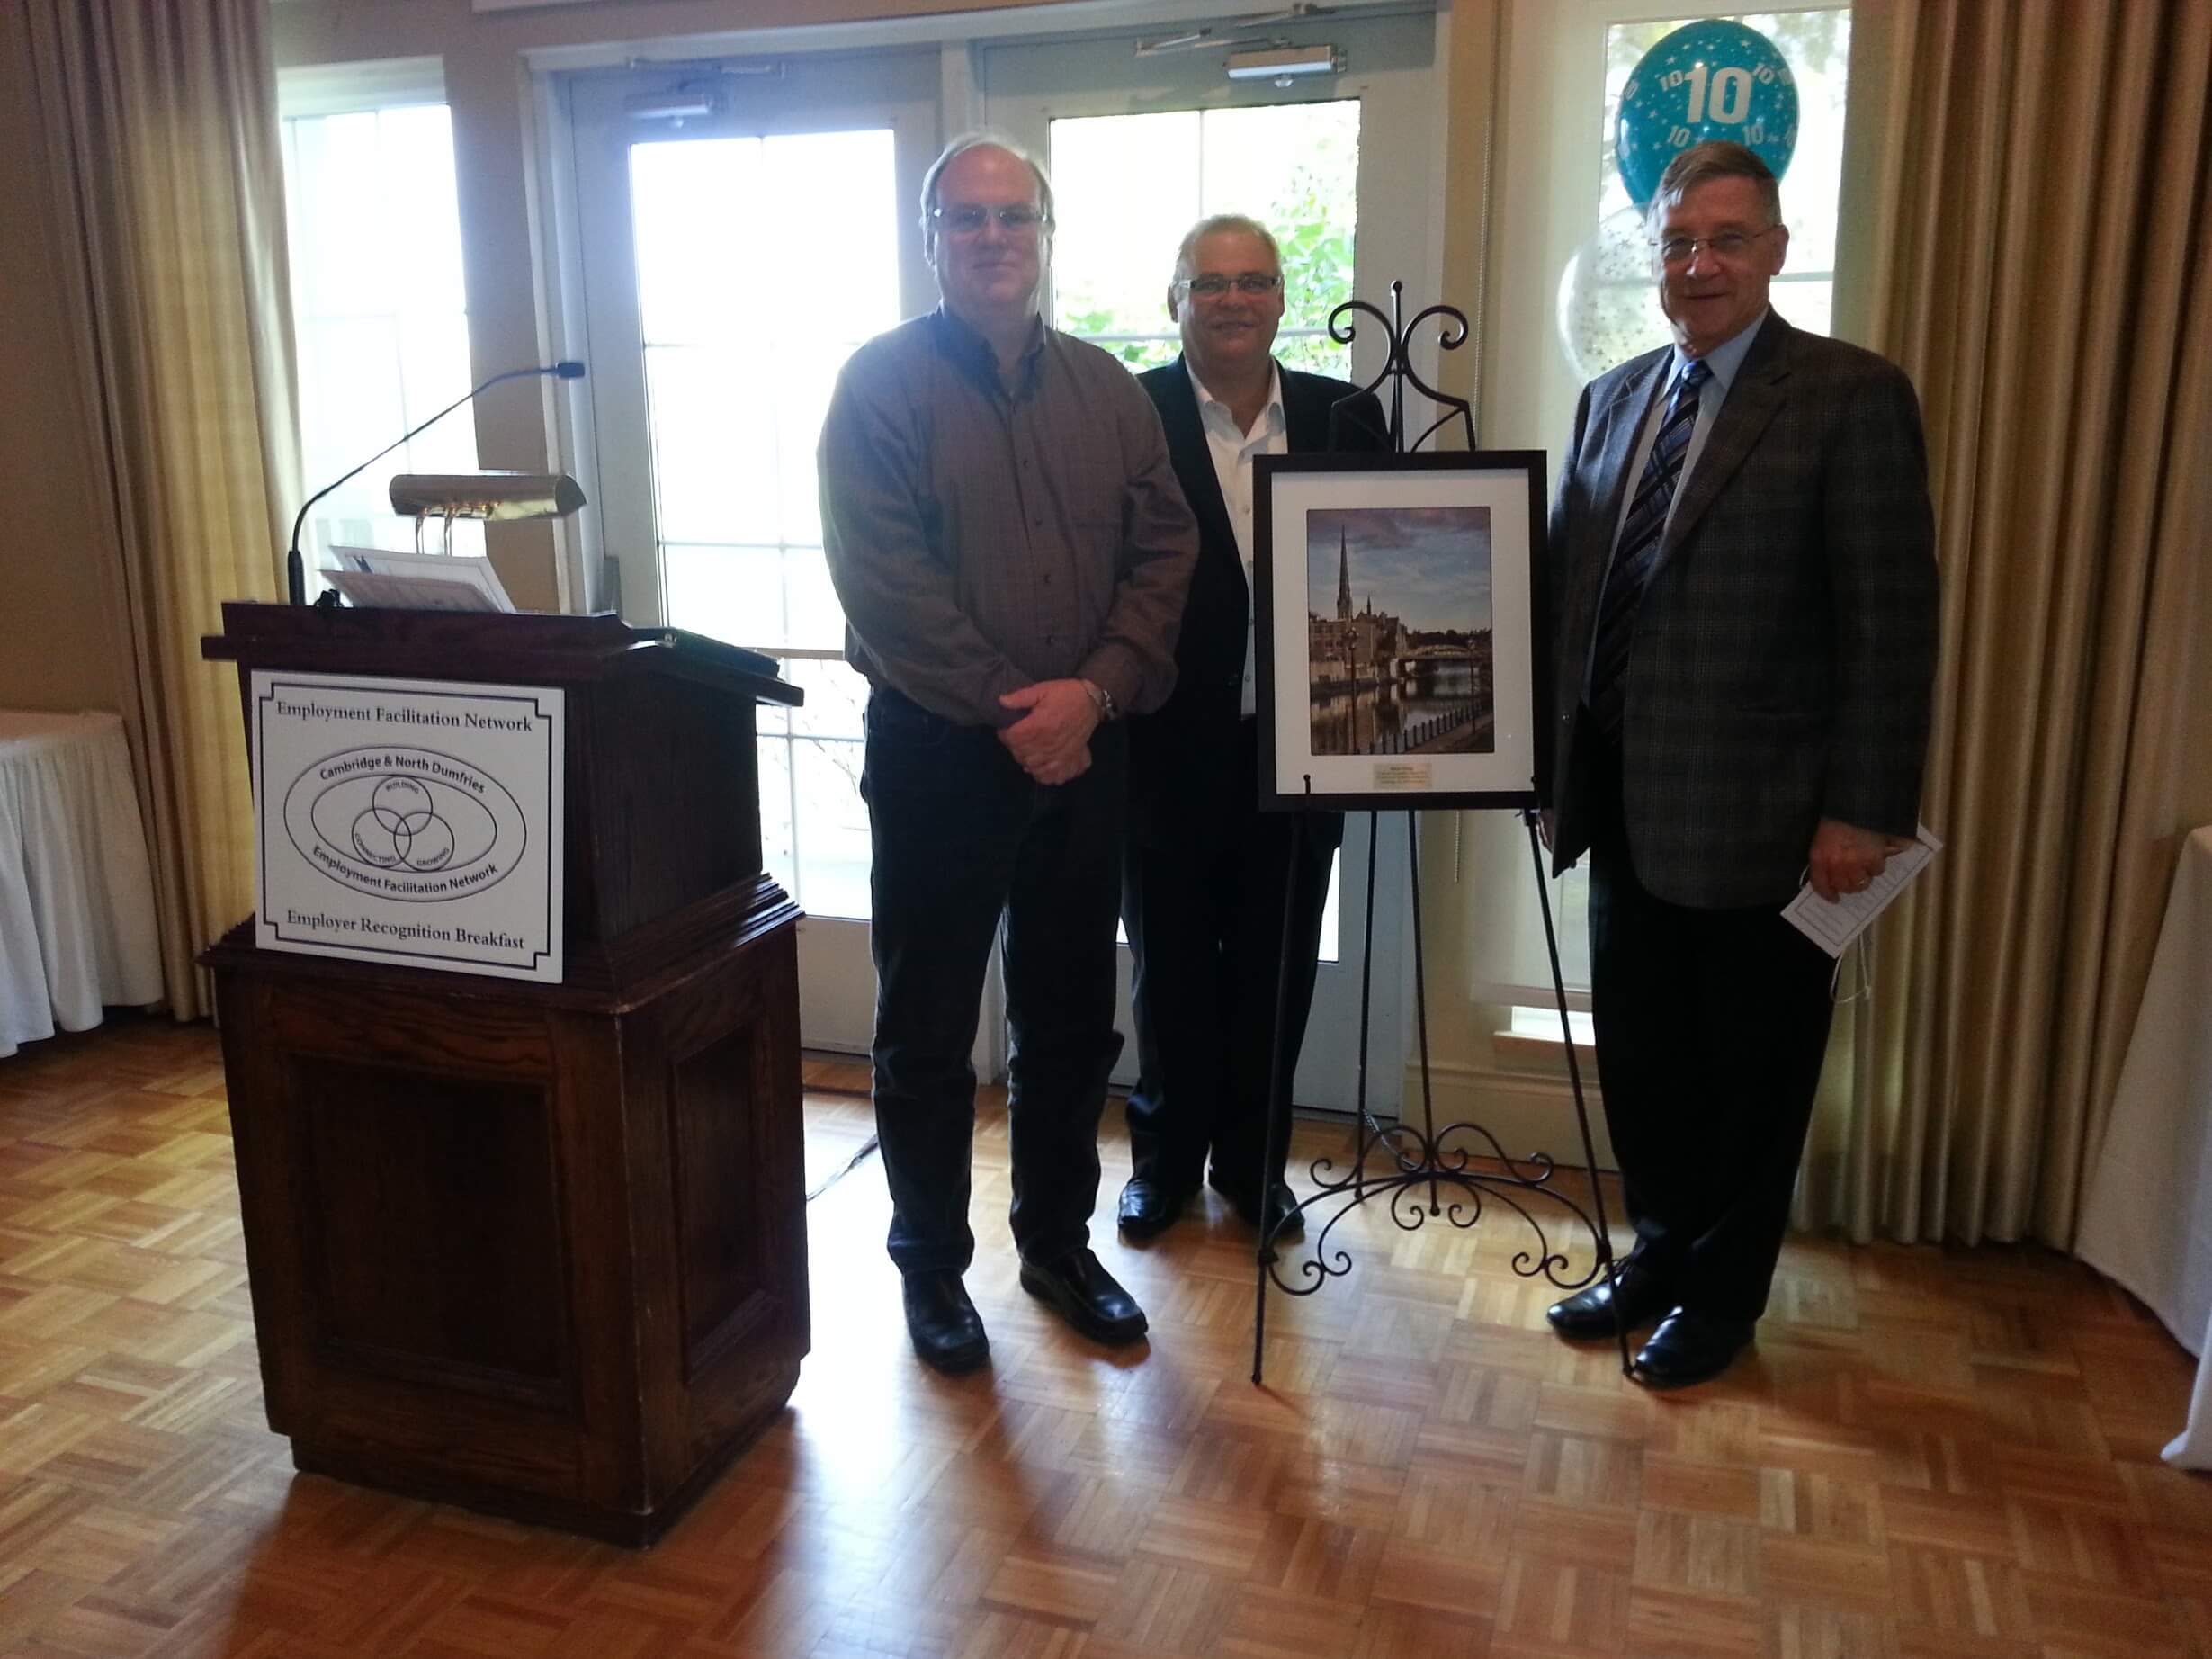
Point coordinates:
[[1608, 299]]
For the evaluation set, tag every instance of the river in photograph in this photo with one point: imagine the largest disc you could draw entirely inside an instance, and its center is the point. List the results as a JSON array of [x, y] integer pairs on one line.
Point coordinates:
[[1442, 709]]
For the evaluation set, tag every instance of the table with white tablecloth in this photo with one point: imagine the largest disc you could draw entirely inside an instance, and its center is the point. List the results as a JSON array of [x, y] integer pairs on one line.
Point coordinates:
[[78, 932], [2147, 1219]]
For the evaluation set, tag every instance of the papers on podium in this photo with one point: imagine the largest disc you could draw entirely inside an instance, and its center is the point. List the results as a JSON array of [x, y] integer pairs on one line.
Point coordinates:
[[377, 578], [1833, 926]]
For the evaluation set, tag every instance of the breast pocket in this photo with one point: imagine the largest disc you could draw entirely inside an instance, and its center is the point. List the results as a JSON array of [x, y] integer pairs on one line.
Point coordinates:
[[1091, 487]]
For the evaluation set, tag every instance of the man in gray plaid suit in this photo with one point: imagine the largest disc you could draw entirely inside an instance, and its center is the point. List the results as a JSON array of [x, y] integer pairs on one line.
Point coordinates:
[[1744, 585]]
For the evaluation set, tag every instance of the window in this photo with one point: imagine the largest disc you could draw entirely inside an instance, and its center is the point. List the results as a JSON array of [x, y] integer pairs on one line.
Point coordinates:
[[1588, 51], [379, 322], [1292, 167], [735, 412], [1129, 186], [1608, 305]]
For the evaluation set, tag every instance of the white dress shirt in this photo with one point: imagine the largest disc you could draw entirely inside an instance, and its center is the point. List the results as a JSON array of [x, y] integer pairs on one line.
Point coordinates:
[[1232, 450], [1724, 360]]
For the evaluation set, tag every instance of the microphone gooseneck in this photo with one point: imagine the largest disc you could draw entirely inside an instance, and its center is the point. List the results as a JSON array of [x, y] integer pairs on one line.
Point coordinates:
[[295, 567]]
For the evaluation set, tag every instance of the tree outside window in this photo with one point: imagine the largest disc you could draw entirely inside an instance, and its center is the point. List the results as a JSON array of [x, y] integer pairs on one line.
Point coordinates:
[[1128, 186]]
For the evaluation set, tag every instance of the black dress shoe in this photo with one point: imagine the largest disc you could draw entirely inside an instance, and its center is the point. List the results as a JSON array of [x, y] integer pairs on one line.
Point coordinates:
[[1642, 1293], [1282, 1207], [947, 1332], [1086, 1295], [1690, 1347], [1281, 1218], [1148, 1209]]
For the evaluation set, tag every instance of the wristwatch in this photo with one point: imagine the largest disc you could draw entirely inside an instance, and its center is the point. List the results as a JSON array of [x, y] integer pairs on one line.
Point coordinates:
[[1103, 701]]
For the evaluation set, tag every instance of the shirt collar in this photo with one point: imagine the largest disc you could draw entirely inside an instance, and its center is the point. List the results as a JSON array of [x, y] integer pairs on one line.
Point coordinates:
[[967, 346], [1724, 359], [1271, 412]]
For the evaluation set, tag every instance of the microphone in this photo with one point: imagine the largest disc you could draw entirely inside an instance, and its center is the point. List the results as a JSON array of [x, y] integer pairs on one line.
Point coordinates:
[[295, 567]]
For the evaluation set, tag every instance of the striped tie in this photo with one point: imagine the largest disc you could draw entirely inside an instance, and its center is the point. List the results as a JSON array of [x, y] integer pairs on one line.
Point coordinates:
[[1641, 533]]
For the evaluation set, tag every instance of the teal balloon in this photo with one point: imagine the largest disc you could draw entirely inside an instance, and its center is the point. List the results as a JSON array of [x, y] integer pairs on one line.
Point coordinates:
[[1707, 80]]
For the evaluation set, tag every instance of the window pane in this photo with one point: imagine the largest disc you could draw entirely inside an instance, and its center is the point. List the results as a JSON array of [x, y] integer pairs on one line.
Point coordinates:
[[800, 398], [733, 593], [832, 827], [434, 372], [1570, 922], [689, 202], [714, 448], [380, 325], [836, 694], [416, 170], [731, 233], [361, 353], [1128, 186], [1620, 317], [778, 850], [1811, 305], [829, 191], [1294, 168], [727, 231], [1125, 188], [812, 619], [1817, 48]]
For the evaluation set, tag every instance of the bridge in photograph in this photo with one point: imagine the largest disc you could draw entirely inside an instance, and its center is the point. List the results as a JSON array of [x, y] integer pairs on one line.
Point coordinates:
[[1422, 658], [1425, 661]]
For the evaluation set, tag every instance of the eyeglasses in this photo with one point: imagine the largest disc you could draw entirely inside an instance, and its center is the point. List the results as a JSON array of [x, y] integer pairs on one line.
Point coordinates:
[[1727, 245], [1213, 285], [1016, 220]]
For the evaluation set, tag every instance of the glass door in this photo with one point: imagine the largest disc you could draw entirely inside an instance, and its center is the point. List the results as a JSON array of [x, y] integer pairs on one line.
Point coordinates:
[[1144, 139], [743, 226]]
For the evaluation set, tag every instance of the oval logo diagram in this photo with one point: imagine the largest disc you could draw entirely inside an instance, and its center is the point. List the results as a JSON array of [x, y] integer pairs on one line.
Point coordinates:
[[411, 824]]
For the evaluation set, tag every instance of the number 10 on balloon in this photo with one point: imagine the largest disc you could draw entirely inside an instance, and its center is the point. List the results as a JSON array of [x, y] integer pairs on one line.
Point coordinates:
[[1711, 79], [1731, 91]]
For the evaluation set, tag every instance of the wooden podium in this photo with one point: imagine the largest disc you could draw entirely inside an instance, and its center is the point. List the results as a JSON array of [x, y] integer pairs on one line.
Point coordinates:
[[537, 1249]]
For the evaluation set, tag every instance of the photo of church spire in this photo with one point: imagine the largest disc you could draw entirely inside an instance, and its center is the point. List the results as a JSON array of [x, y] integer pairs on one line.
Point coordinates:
[[1406, 669]]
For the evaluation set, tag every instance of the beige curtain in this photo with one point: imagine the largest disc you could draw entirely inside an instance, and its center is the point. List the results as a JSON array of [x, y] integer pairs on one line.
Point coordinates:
[[161, 116], [2028, 232]]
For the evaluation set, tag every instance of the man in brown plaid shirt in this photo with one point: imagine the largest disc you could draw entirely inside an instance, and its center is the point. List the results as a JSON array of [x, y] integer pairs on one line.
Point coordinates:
[[1011, 549]]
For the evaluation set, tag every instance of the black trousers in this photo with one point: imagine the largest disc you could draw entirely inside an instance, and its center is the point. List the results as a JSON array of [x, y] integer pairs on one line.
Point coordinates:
[[961, 835], [1711, 1026], [1204, 916]]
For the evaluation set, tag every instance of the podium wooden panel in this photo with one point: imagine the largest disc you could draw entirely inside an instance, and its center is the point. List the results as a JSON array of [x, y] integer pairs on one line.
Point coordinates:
[[539, 1249]]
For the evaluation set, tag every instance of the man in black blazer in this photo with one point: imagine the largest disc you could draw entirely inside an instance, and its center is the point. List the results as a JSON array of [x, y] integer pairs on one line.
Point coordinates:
[[1743, 574], [1205, 873]]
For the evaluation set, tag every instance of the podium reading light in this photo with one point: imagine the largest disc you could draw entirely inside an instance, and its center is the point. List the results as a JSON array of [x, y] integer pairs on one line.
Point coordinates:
[[504, 496], [295, 567]]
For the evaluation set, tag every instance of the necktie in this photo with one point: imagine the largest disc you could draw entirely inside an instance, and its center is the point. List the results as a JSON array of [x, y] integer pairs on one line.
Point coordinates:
[[1642, 533]]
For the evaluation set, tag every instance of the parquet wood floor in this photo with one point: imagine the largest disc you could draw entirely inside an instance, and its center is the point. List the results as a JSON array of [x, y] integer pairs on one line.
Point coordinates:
[[1933, 1455]]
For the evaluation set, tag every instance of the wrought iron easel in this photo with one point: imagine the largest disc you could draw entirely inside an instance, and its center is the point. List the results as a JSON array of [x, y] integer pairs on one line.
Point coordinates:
[[1418, 1167]]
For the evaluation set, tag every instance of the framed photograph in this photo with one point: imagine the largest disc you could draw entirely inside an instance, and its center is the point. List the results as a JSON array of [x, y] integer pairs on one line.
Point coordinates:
[[1399, 631]]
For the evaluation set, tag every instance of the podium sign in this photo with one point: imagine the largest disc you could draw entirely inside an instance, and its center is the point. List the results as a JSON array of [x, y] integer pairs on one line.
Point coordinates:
[[415, 823]]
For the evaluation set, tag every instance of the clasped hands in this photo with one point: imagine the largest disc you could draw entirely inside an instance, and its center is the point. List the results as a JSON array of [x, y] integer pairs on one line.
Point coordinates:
[[1051, 739]]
